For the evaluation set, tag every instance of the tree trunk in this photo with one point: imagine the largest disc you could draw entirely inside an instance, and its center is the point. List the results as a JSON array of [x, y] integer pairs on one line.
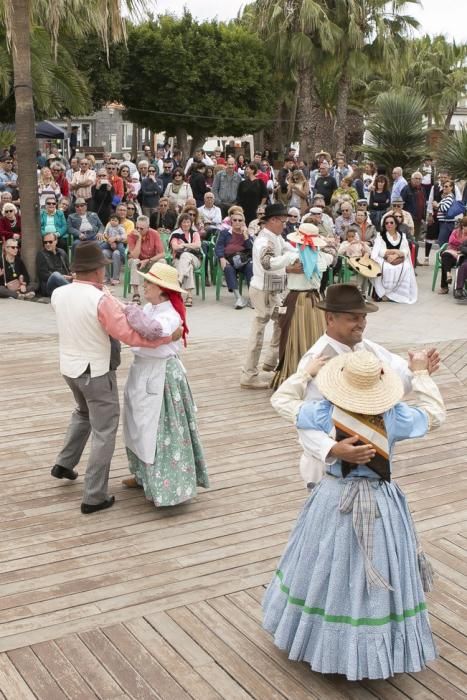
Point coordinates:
[[182, 141], [258, 140], [134, 143], [197, 141], [341, 111], [25, 136], [293, 116], [449, 116], [306, 123]]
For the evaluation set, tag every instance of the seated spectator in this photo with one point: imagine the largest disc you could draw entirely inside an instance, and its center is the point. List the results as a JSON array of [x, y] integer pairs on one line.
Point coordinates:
[[64, 206], [144, 249], [353, 247], [53, 219], [392, 252], [452, 256], [47, 187], [326, 219], [366, 231], [255, 226], [459, 293], [58, 172], [185, 243], [10, 222], [293, 221], [346, 219], [132, 212], [84, 225], [102, 196], [234, 250], [397, 206], [210, 215], [165, 218], [178, 190], [114, 248], [196, 219], [5, 198], [14, 278], [121, 211], [52, 266]]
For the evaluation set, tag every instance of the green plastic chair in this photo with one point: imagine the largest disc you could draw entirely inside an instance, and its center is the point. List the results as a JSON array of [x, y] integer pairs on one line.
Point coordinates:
[[220, 275], [165, 237], [126, 276], [437, 267]]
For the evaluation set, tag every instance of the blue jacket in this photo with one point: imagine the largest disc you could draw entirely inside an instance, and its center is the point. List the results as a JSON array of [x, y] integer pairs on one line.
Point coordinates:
[[224, 238], [74, 222], [59, 223]]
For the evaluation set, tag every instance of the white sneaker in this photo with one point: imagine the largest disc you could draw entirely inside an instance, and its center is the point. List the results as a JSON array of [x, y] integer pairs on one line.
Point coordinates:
[[240, 303]]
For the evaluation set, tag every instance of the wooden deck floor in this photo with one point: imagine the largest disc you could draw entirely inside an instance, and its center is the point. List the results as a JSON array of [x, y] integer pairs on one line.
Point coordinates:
[[134, 603]]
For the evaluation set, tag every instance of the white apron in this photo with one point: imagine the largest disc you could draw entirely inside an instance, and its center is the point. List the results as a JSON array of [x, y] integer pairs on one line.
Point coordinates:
[[143, 395]]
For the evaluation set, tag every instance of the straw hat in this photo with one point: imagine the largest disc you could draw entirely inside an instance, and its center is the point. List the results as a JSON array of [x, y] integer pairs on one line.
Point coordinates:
[[163, 275], [365, 266], [305, 233], [360, 383]]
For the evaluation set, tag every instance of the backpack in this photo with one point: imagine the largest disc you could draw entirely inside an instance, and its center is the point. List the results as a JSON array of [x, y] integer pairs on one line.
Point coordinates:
[[456, 209]]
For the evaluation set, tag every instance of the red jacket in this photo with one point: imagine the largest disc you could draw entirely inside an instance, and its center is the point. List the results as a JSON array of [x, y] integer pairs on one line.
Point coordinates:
[[63, 183], [6, 230]]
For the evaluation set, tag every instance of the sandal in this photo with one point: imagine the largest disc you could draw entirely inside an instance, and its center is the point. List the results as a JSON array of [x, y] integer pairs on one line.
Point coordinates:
[[136, 299], [189, 300], [443, 291]]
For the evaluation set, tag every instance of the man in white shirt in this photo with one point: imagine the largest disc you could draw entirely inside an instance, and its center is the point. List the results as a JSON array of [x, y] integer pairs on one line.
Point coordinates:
[[346, 312], [399, 182], [83, 180], [200, 156], [273, 257], [210, 214]]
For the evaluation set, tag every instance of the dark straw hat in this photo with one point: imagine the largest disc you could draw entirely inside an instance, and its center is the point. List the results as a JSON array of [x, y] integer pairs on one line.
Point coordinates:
[[346, 298], [274, 210], [88, 257]]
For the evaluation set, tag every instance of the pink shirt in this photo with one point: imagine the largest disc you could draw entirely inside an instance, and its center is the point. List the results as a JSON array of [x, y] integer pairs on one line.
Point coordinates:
[[113, 320]]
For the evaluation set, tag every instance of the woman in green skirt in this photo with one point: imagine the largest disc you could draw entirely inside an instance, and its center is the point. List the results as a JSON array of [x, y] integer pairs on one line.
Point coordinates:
[[164, 451]]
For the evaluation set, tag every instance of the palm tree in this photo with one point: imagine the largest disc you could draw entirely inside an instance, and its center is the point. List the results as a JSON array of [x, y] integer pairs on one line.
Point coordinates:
[[396, 129], [18, 16], [372, 31], [298, 30], [452, 154]]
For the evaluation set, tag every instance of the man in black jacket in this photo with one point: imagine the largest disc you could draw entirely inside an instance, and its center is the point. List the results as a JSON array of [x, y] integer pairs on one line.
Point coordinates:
[[52, 266]]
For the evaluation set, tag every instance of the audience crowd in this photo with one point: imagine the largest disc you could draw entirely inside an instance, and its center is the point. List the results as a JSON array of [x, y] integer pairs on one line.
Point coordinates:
[[204, 214]]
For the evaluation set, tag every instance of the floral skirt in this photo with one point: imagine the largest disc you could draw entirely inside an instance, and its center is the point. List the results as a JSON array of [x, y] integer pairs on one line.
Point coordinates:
[[179, 465]]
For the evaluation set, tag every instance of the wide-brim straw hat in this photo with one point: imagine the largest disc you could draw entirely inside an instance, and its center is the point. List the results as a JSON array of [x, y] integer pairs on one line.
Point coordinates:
[[365, 266], [346, 298], [307, 231], [88, 257], [359, 382], [163, 275]]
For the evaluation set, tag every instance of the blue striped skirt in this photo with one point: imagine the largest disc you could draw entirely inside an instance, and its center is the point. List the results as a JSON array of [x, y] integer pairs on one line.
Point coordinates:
[[319, 606]]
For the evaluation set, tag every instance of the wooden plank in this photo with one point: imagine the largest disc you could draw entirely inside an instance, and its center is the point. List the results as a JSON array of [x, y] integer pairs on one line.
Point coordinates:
[[12, 683], [36, 675], [63, 672]]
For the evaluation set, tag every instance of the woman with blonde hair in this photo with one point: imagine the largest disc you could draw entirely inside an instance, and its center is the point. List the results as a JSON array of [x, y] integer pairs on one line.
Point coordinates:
[[298, 191], [47, 187]]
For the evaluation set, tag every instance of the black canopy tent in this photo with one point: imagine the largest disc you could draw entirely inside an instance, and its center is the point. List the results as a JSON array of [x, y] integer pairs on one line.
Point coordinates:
[[44, 130]]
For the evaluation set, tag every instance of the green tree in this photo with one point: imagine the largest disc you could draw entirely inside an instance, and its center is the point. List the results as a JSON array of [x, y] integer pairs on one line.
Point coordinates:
[[196, 78], [81, 17], [396, 129], [452, 153]]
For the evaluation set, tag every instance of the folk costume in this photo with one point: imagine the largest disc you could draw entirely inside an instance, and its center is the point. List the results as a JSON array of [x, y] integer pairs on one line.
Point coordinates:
[[396, 282], [348, 592], [302, 321], [160, 432]]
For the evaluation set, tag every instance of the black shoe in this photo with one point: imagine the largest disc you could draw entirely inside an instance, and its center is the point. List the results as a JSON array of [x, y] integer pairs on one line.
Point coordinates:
[[108, 503], [61, 473], [459, 294]]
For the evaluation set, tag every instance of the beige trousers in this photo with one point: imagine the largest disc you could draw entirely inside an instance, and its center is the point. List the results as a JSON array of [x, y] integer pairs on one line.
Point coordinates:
[[265, 305], [186, 264]]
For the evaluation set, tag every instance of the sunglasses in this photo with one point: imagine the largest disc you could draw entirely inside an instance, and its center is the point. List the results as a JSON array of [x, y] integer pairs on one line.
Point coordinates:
[[48, 242], [130, 208], [293, 216], [13, 247], [139, 228], [9, 211], [151, 171], [50, 204], [78, 206]]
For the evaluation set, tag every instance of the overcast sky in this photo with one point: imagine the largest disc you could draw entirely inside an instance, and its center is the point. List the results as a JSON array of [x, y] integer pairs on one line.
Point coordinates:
[[437, 16]]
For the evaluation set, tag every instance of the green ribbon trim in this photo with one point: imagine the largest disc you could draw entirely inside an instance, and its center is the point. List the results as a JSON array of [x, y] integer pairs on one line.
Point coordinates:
[[345, 619]]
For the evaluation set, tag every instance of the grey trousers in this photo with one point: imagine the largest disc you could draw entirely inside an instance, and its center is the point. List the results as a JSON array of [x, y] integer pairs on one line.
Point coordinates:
[[97, 414]]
